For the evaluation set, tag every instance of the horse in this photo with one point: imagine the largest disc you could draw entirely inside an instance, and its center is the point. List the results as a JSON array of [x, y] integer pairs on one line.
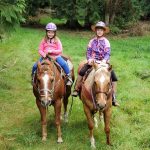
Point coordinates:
[[96, 96], [49, 88]]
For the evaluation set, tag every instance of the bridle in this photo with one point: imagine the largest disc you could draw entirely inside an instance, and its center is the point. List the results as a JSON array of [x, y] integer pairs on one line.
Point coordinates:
[[105, 92], [50, 91], [46, 90], [94, 92]]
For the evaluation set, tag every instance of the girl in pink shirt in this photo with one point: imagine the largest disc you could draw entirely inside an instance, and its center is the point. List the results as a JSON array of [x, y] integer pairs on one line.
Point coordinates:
[[51, 45]]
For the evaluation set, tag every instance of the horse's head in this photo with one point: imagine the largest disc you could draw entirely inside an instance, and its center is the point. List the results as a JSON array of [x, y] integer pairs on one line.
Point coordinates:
[[45, 83], [102, 84]]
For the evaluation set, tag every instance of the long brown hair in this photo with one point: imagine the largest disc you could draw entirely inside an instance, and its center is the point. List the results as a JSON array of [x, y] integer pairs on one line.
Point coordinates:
[[56, 39]]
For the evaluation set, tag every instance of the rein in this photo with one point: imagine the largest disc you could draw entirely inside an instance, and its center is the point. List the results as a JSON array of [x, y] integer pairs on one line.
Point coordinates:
[[46, 90], [93, 92], [99, 91]]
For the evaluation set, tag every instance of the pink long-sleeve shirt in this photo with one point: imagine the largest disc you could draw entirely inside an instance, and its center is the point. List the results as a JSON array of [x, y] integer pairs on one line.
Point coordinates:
[[55, 46]]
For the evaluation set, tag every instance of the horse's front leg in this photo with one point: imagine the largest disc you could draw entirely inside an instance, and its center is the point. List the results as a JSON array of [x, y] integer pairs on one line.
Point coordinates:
[[107, 116], [43, 120], [57, 107], [90, 124]]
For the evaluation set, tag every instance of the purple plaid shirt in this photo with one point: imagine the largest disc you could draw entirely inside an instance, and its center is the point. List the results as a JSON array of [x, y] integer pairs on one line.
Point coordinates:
[[98, 49]]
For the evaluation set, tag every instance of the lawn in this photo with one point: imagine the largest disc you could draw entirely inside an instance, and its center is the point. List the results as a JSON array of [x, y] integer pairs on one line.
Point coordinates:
[[20, 127]]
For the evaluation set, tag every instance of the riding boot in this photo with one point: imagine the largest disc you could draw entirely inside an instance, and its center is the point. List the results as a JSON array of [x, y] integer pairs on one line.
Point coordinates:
[[77, 86], [69, 80], [114, 101]]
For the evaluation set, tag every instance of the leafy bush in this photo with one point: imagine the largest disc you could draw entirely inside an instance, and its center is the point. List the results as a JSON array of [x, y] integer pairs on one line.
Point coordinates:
[[137, 30], [115, 29]]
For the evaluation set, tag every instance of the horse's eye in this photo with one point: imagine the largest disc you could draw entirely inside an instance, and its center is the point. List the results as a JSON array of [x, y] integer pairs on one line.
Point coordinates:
[[52, 79], [38, 79]]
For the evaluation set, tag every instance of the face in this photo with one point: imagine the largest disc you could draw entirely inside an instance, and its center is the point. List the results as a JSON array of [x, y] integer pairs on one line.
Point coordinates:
[[101, 85], [50, 34], [99, 32], [45, 85]]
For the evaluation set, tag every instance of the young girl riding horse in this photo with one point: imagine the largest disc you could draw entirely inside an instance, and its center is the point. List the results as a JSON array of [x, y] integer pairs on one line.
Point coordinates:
[[52, 46], [98, 50]]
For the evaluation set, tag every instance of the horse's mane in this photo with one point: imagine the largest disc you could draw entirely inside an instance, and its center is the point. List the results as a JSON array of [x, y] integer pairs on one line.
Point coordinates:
[[45, 66], [103, 67]]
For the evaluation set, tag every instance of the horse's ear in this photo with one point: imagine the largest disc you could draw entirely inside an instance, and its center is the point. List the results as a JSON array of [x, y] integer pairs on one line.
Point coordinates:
[[95, 65], [39, 65], [110, 67]]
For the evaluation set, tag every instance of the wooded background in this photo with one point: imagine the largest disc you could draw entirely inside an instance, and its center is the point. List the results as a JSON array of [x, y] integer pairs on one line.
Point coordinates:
[[77, 13]]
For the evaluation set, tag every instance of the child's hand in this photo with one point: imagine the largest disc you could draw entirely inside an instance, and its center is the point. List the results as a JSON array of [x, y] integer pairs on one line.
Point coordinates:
[[49, 51], [44, 56], [90, 61], [104, 61]]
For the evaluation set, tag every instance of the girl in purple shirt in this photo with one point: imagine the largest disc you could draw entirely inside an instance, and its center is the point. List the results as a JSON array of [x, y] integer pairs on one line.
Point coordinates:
[[98, 49]]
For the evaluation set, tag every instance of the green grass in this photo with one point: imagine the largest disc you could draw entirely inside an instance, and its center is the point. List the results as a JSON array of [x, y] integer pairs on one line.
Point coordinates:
[[20, 127]]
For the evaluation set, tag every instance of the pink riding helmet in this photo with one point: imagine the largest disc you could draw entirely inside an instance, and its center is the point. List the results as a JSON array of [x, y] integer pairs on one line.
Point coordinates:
[[51, 27]]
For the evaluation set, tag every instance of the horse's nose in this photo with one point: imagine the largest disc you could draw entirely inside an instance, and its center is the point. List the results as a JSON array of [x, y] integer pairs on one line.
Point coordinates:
[[101, 106], [45, 102]]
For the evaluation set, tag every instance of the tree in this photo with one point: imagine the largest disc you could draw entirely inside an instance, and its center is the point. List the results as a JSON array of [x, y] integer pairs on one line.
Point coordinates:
[[32, 6], [90, 11], [11, 14], [145, 7], [66, 9]]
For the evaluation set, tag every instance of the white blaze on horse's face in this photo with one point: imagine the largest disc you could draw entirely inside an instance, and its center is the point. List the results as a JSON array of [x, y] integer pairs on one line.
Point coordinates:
[[102, 79], [45, 79]]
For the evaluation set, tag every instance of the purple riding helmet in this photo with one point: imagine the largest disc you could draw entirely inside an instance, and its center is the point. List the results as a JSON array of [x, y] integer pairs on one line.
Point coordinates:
[[51, 27]]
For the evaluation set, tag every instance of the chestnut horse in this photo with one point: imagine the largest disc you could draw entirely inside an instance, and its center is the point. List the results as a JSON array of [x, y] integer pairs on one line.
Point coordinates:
[[96, 95], [49, 88]]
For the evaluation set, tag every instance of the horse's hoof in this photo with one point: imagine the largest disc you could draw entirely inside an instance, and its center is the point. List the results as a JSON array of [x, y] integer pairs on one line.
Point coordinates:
[[109, 144], [92, 143], [59, 141], [44, 138], [93, 146]]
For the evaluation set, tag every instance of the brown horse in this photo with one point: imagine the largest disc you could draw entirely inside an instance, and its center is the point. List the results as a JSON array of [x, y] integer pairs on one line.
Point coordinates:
[[49, 88], [96, 95]]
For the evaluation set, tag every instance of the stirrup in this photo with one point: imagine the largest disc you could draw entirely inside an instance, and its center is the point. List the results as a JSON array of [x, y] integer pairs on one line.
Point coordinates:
[[115, 103], [75, 93], [69, 80]]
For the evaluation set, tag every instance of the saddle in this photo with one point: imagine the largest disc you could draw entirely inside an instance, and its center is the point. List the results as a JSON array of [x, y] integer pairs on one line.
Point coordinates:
[[67, 59]]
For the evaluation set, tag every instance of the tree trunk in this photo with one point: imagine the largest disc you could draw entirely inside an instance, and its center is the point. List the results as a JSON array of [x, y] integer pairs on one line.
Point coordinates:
[[107, 11], [87, 23], [114, 6]]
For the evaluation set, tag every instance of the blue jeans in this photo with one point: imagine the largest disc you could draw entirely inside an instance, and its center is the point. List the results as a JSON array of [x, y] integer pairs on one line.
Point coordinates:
[[59, 60], [35, 65], [63, 64]]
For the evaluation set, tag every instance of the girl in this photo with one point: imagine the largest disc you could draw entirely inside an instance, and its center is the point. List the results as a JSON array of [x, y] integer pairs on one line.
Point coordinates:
[[51, 45], [98, 49]]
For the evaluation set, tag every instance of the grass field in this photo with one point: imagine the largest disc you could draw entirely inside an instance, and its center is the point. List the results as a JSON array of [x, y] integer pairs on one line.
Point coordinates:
[[20, 127]]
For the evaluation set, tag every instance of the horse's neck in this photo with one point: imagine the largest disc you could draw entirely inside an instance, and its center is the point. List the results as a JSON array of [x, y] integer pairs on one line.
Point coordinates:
[[89, 80]]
